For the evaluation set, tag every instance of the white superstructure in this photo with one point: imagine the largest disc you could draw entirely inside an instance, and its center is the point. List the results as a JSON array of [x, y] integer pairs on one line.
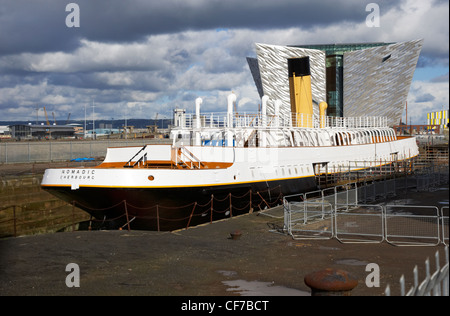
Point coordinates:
[[211, 149], [216, 156]]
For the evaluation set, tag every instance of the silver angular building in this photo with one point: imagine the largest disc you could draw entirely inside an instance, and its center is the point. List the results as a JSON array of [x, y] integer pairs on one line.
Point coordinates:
[[362, 79], [272, 69], [377, 80]]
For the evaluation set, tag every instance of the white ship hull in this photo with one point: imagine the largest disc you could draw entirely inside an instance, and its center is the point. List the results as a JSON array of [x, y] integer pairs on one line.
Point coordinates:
[[161, 195]]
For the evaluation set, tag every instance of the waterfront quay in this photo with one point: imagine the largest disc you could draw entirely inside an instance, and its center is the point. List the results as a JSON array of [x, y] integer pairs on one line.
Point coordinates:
[[203, 260]]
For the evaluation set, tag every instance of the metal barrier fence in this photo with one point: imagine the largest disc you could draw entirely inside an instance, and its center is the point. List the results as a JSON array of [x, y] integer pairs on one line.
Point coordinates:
[[431, 178], [44, 151], [371, 192], [367, 224], [435, 284], [361, 224], [444, 222], [412, 225], [368, 192], [339, 213], [316, 222]]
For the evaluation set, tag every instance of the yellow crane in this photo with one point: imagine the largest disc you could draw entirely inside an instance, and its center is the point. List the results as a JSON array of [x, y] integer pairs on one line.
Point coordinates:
[[46, 116]]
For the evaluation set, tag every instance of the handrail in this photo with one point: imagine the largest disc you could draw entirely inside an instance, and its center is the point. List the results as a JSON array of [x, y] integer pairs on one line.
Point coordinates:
[[128, 164], [191, 158], [217, 120]]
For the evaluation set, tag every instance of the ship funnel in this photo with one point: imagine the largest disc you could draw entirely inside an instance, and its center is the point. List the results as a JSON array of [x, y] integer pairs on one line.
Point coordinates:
[[229, 138], [198, 122], [264, 101], [262, 133], [198, 102], [300, 90], [323, 113], [231, 100]]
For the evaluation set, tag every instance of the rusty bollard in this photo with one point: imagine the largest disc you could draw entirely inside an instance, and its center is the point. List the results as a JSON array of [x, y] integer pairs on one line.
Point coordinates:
[[330, 282], [235, 234]]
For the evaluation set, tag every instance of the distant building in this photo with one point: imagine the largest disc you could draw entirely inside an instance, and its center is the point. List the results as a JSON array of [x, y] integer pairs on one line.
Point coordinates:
[[178, 117], [334, 67], [5, 132], [30, 131], [438, 118], [105, 126], [78, 128], [360, 79]]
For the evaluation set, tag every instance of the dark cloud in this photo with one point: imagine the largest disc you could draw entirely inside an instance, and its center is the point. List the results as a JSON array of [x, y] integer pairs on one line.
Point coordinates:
[[425, 98], [430, 58], [154, 55], [39, 25], [443, 78], [34, 26], [146, 81]]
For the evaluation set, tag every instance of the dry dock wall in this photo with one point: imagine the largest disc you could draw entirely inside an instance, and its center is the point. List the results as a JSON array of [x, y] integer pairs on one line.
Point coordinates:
[[26, 209]]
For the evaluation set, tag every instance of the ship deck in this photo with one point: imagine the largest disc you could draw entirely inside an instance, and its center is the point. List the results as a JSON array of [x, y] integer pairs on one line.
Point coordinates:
[[163, 164]]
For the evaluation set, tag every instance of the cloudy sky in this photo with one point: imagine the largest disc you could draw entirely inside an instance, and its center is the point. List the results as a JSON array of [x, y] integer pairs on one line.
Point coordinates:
[[141, 57]]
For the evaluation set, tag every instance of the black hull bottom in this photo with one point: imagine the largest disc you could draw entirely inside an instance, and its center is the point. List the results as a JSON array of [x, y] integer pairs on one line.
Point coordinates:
[[168, 209]]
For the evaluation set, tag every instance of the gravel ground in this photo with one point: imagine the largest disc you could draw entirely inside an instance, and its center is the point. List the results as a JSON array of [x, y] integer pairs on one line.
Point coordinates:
[[199, 261]]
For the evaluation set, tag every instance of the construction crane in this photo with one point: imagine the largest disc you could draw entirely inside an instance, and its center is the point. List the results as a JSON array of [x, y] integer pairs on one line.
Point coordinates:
[[153, 129], [156, 123], [46, 116], [68, 117]]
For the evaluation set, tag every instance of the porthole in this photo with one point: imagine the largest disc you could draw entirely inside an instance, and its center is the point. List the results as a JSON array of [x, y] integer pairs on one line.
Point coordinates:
[[151, 178]]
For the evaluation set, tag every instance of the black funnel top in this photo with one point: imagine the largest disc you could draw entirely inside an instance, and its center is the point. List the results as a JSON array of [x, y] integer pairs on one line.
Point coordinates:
[[299, 66]]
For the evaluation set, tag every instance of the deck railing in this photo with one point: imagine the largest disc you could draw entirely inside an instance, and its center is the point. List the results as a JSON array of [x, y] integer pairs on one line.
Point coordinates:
[[243, 120]]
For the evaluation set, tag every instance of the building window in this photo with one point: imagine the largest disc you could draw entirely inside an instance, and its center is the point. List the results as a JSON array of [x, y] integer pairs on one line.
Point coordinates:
[[386, 58]]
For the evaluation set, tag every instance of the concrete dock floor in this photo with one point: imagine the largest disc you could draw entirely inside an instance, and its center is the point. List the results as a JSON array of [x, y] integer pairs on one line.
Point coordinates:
[[200, 261]]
